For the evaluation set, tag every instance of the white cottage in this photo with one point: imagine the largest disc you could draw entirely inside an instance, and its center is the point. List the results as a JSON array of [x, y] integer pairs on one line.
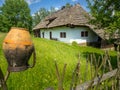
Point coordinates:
[[68, 25]]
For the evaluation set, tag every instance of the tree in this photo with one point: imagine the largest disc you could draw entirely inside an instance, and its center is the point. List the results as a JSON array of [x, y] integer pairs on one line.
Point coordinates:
[[39, 15], [68, 5], [42, 13], [52, 10], [15, 13], [106, 13]]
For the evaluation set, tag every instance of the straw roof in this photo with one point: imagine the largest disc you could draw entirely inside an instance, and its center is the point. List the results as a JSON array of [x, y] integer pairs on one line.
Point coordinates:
[[74, 15]]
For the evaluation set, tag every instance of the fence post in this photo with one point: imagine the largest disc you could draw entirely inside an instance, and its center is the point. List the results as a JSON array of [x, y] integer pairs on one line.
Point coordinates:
[[75, 77], [60, 77], [3, 85], [118, 72]]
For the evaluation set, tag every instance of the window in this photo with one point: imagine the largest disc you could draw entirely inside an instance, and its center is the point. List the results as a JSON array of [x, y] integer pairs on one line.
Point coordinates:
[[84, 34], [63, 34]]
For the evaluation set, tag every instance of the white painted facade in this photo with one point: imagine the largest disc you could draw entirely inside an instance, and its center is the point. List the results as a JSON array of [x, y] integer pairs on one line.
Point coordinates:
[[72, 34]]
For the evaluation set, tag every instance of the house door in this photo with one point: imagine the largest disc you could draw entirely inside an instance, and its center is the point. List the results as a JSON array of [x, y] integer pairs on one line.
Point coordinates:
[[43, 34], [50, 35]]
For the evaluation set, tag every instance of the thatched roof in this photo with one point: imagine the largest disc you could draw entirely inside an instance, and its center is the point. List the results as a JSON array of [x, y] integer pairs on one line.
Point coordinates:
[[74, 15]]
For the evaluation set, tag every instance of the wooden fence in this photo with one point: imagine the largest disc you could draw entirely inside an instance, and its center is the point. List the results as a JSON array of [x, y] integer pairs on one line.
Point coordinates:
[[105, 77], [109, 79], [3, 85]]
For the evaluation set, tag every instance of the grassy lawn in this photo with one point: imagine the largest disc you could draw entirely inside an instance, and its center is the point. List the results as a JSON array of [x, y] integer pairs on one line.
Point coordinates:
[[44, 74]]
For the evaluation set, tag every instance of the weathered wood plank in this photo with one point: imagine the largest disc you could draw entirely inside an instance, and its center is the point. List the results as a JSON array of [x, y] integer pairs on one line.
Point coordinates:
[[108, 75], [3, 85]]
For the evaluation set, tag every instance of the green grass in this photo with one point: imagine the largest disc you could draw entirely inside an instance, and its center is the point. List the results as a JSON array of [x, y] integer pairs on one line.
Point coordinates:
[[43, 75]]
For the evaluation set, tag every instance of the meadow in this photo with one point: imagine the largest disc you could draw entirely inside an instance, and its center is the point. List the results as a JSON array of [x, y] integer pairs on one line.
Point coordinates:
[[43, 75]]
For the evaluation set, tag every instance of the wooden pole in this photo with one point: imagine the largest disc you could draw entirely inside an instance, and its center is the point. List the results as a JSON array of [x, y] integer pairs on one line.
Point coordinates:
[[85, 85], [118, 72], [60, 77], [3, 85]]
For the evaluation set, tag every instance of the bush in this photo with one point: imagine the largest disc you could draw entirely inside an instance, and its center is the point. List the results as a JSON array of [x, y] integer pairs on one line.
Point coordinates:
[[74, 43]]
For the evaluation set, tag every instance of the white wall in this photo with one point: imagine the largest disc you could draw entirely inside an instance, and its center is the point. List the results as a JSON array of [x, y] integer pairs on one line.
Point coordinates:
[[72, 34]]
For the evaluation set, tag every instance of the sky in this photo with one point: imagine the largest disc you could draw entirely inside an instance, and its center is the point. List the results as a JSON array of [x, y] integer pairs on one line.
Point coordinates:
[[35, 5]]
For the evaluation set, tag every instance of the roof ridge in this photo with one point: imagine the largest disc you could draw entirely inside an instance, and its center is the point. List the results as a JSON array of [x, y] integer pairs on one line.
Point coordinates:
[[75, 15]]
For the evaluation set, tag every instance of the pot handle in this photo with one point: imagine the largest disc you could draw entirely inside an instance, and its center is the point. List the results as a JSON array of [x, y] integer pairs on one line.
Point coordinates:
[[34, 59]]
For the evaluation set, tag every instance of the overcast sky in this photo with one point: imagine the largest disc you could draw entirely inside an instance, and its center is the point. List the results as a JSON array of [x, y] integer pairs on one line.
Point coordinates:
[[35, 5]]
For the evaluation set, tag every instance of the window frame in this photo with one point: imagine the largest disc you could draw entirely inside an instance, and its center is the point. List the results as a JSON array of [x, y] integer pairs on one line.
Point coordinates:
[[62, 34], [84, 33]]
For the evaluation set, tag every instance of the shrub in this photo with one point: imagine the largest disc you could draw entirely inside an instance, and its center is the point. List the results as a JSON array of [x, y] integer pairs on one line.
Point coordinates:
[[74, 43]]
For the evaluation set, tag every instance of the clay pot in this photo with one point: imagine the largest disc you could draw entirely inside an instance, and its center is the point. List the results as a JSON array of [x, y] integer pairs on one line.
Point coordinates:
[[18, 48]]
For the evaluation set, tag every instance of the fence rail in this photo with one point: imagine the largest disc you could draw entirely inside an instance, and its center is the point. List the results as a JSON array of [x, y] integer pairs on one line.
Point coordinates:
[[97, 80], [101, 63], [103, 75]]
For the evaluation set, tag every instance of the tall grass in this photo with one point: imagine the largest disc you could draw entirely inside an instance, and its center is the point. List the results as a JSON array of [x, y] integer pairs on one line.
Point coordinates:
[[44, 74]]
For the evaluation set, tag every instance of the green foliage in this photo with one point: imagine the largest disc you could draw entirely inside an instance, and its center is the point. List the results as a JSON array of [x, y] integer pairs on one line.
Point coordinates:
[[15, 13], [43, 75], [106, 14], [40, 15], [68, 5], [114, 26], [74, 43], [52, 10]]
